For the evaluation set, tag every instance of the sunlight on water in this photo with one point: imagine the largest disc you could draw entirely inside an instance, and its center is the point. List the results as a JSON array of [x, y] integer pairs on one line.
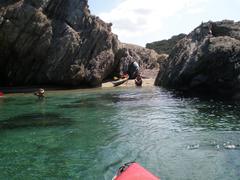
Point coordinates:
[[88, 135]]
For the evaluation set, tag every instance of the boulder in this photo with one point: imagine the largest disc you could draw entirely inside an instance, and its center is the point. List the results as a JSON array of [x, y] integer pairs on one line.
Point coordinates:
[[205, 61], [129, 53]]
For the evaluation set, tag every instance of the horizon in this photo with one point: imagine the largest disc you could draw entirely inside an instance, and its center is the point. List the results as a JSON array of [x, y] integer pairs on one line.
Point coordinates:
[[141, 22]]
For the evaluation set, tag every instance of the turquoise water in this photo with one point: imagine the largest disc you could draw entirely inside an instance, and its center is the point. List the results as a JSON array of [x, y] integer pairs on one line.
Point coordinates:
[[89, 134]]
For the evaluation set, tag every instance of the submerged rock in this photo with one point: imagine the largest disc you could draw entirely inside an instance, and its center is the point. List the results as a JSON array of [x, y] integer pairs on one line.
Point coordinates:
[[207, 60], [54, 42], [34, 120]]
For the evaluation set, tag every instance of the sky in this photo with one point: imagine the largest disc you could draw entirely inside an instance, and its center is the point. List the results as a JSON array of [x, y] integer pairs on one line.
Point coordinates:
[[143, 21]]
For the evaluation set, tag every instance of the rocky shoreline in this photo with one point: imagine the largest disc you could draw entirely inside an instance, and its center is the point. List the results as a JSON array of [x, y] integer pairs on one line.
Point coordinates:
[[59, 43], [148, 76]]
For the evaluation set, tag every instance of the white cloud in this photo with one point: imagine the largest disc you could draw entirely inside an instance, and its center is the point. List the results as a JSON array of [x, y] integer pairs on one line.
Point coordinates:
[[135, 19]]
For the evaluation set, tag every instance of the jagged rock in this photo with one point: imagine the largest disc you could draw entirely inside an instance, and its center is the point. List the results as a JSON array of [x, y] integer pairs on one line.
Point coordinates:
[[207, 60], [54, 42]]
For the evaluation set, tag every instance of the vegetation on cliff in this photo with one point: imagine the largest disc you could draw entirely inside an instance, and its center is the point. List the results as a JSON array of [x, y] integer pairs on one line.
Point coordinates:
[[165, 46]]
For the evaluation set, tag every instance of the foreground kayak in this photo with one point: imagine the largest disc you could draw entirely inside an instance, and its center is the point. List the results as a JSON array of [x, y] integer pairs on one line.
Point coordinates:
[[133, 171], [1, 94]]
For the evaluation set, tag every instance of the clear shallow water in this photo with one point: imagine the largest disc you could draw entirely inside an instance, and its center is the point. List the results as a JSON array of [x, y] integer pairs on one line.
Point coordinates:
[[88, 135]]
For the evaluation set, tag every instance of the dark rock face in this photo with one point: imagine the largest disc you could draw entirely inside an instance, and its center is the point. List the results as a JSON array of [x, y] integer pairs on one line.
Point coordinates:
[[207, 60], [54, 42]]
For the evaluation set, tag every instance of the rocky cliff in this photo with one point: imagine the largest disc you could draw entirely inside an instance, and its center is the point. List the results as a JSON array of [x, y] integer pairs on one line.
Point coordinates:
[[56, 42], [207, 60], [165, 46]]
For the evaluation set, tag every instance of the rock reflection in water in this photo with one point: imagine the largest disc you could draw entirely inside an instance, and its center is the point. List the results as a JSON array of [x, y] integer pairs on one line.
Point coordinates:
[[215, 115]]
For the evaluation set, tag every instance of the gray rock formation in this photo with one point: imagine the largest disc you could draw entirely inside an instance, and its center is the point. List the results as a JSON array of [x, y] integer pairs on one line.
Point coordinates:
[[146, 58], [207, 60], [56, 42]]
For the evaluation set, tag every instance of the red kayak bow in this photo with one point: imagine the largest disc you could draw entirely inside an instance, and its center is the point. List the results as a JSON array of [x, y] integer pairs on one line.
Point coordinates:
[[133, 171]]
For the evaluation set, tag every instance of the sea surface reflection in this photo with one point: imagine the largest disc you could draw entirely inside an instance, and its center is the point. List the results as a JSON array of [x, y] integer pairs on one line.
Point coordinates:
[[88, 135]]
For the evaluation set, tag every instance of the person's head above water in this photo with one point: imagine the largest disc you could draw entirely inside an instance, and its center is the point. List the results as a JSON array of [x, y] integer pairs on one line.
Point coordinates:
[[41, 91]]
